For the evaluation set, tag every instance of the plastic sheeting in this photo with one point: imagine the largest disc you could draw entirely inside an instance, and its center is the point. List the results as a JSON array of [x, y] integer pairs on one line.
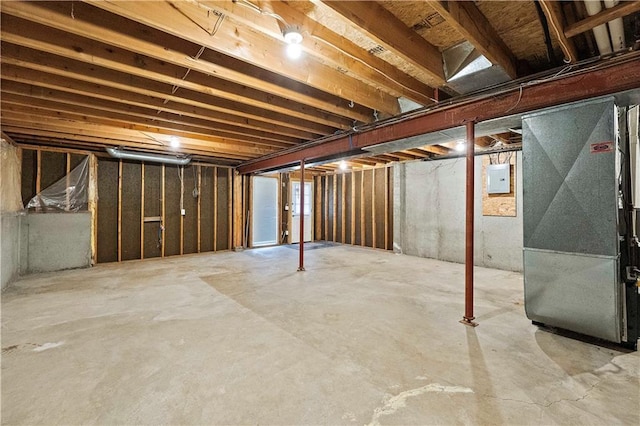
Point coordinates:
[[10, 168], [67, 194]]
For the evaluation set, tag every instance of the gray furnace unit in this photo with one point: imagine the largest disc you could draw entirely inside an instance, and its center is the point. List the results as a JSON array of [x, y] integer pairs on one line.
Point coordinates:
[[580, 264]]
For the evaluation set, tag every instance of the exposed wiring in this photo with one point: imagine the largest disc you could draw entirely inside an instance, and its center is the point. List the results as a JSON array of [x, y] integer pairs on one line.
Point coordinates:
[[560, 36], [181, 177], [258, 9]]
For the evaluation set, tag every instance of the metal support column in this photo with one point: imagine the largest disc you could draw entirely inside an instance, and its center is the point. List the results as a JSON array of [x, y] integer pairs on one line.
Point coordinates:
[[468, 263]]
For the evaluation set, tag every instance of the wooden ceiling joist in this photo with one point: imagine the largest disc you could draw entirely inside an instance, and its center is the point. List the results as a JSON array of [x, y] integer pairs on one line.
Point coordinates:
[[125, 106], [88, 22], [37, 38], [622, 9], [390, 32], [263, 138], [187, 21], [469, 21], [84, 128], [329, 47], [55, 65], [555, 17]]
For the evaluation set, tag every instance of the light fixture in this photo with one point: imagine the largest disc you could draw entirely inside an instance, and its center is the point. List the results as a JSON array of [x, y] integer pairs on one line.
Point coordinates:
[[293, 38], [343, 165], [174, 141], [460, 146]]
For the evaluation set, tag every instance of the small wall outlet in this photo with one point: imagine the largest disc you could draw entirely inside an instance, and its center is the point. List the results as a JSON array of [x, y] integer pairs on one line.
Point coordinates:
[[286, 206], [183, 212], [286, 232]]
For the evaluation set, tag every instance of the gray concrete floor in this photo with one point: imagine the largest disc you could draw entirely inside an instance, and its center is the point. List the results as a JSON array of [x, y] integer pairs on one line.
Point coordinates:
[[361, 337]]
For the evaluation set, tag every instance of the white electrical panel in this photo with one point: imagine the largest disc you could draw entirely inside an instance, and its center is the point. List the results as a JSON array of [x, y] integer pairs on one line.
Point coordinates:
[[498, 179]]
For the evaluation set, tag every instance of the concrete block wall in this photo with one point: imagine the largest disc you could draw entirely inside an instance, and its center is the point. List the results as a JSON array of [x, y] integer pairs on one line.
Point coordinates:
[[10, 237], [55, 241], [429, 215]]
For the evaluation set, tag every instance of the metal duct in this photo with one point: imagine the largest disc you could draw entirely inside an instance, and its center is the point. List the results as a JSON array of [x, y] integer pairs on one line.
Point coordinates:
[[600, 32], [616, 28], [467, 70], [140, 156], [571, 251]]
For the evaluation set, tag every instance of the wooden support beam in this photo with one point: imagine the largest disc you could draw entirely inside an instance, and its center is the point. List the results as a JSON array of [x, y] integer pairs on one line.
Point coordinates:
[[353, 207], [68, 181], [215, 209], [326, 208], [343, 202], [373, 208], [92, 205], [330, 48], [237, 208], [386, 207], [624, 8], [230, 174], [553, 12], [120, 211], [469, 21], [162, 225], [181, 172], [394, 35], [335, 207], [199, 219], [142, 212], [186, 21], [129, 37], [38, 170]]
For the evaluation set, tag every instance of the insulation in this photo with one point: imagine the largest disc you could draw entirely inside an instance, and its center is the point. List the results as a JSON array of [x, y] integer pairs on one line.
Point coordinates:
[[380, 175], [357, 206], [339, 208], [331, 217], [172, 211], [222, 210], [152, 209], [10, 200], [368, 207], [53, 167], [207, 209], [131, 210], [348, 177], [190, 225], [29, 173], [107, 210]]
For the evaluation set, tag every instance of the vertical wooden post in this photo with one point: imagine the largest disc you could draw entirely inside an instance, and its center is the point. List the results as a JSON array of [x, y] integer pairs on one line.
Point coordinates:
[[120, 211], [343, 201], [386, 208], [68, 182], [181, 171], [162, 228], [229, 210], [238, 207], [317, 201], [38, 171], [92, 205], [199, 204], [326, 207], [301, 259], [215, 209], [363, 228], [373, 208], [250, 212], [353, 207], [335, 207], [468, 265], [142, 213]]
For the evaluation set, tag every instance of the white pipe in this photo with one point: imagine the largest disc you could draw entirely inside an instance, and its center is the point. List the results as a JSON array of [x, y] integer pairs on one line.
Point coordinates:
[[600, 32], [616, 28], [140, 156]]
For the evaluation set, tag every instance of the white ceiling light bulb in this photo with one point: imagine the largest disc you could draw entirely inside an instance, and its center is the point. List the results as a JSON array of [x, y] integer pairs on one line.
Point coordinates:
[[294, 51], [343, 165], [293, 38], [460, 146], [174, 141]]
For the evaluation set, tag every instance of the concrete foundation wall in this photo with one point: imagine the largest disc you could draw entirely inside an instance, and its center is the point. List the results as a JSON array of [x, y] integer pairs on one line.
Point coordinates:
[[55, 241], [10, 243], [429, 215]]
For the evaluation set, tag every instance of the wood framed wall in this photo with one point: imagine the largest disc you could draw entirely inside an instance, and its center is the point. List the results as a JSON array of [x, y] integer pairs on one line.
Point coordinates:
[[355, 207], [140, 209]]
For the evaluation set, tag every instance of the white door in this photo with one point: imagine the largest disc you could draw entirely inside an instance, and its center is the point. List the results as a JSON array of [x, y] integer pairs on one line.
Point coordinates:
[[295, 211], [265, 211]]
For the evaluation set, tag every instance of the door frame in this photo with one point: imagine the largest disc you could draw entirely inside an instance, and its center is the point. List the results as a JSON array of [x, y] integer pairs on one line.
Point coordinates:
[[290, 212]]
